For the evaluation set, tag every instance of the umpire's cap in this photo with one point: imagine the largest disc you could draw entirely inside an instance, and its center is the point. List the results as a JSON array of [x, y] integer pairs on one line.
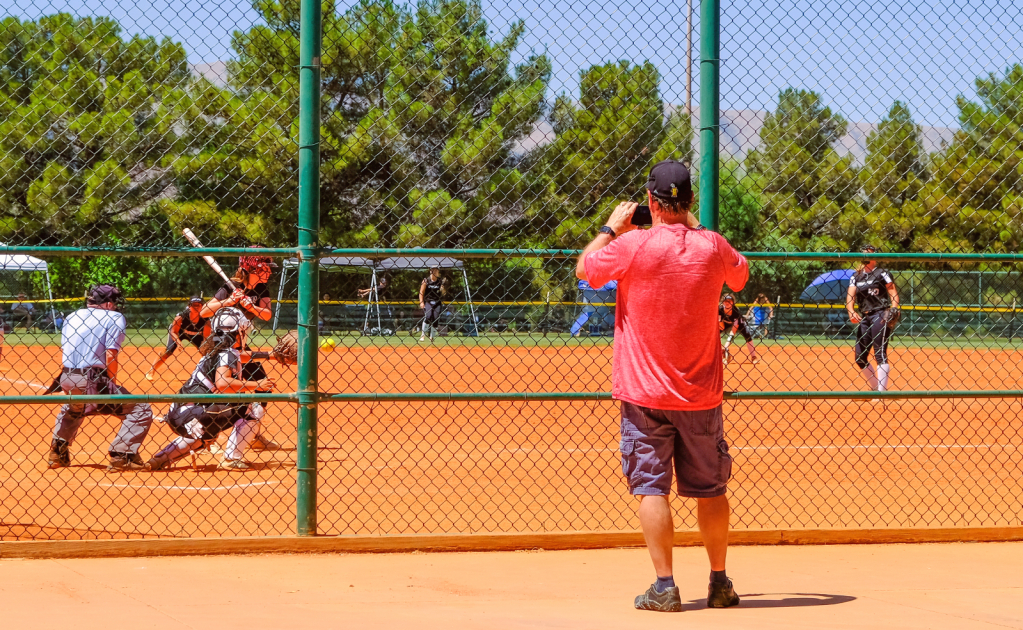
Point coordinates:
[[670, 180], [104, 293]]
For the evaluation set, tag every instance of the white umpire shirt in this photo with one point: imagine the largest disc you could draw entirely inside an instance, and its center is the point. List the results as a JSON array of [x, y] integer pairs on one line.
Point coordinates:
[[87, 335]]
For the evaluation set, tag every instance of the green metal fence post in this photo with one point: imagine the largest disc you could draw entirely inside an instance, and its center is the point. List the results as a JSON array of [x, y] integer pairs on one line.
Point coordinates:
[[308, 269], [710, 106]]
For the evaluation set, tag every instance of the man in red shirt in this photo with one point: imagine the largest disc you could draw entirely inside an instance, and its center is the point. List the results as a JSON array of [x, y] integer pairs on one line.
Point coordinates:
[[667, 370]]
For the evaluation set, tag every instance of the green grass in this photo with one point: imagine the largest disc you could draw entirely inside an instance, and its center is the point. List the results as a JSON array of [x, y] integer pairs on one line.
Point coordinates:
[[157, 338]]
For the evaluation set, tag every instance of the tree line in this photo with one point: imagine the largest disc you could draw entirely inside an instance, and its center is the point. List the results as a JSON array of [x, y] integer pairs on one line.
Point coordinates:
[[111, 140]]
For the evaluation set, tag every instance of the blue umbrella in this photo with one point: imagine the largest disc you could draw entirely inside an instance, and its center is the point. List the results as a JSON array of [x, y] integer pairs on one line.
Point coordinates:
[[828, 287]]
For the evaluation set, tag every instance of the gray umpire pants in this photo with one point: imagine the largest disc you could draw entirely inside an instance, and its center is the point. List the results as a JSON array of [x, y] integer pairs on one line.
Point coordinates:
[[136, 418]]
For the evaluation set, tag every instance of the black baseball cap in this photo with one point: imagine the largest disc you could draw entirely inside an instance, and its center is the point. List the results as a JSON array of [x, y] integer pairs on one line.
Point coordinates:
[[669, 180], [195, 299], [868, 249]]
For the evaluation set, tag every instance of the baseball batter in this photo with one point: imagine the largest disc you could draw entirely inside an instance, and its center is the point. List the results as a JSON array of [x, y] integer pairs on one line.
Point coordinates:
[[188, 325], [730, 319], [252, 297], [90, 343], [218, 372], [872, 289]]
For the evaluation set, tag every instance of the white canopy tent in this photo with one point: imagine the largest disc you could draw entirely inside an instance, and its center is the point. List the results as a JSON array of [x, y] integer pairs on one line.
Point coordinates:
[[21, 262], [372, 266]]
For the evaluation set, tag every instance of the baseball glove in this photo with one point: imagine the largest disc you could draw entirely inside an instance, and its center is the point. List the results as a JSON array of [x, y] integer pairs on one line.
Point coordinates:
[[892, 318], [286, 350]]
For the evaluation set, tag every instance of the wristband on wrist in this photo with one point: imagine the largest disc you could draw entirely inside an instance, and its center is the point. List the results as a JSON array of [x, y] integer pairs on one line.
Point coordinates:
[[607, 230]]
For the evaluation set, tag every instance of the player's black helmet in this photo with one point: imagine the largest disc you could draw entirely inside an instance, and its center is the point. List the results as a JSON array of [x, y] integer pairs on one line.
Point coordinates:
[[104, 293]]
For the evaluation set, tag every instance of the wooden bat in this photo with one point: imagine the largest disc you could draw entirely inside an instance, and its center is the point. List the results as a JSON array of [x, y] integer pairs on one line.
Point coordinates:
[[209, 259]]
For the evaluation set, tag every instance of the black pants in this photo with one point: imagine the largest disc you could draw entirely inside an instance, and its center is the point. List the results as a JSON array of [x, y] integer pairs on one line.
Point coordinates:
[[872, 332], [432, 313]]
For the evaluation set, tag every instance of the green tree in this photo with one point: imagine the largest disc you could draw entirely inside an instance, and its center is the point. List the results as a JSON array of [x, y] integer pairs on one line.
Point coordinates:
[[894, 167], [86, 115], [807, 186], [604, 146]]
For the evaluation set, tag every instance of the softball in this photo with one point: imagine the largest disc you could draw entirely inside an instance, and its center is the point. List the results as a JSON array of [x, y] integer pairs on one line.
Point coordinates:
[[328, 344]]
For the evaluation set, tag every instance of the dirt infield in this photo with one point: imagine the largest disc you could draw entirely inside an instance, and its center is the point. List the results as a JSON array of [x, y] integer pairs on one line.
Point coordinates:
[[388, 468]]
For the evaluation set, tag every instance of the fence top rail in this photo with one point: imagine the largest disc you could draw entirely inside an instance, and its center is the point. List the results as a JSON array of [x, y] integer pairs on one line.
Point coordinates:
[[571, 253], [280, 252]]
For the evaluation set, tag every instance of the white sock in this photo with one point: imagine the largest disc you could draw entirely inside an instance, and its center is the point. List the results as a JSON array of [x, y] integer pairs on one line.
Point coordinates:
[[882, 377], [425, 328], [241, 436], [433, 329], [868, 373]]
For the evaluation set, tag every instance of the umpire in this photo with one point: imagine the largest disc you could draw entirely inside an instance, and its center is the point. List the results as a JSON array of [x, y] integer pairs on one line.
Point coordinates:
[[90, 342], [667, 371]]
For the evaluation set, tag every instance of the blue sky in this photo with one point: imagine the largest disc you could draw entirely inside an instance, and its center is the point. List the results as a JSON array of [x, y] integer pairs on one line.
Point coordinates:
[[860, 55]]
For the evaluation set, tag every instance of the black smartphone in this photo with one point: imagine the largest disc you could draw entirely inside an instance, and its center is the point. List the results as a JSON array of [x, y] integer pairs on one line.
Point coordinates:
[[641, 217]]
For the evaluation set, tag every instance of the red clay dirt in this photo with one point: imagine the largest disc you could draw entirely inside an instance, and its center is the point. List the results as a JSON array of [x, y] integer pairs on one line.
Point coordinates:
[[388, 468], [948, 586]]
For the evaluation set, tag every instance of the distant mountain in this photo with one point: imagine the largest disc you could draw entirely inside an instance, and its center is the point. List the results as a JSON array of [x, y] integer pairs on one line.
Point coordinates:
[[740, 128], [740, 134]]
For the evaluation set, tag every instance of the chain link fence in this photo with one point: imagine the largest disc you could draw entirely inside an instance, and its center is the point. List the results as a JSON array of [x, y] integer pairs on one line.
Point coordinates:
[[464, 128]]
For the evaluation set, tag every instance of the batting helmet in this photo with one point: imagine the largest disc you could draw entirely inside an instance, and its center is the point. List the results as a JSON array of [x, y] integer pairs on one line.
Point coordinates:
[[253, 264], [103, 294]]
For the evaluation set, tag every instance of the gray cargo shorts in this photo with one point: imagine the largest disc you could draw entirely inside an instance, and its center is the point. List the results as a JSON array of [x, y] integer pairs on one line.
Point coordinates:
[[653, 440]]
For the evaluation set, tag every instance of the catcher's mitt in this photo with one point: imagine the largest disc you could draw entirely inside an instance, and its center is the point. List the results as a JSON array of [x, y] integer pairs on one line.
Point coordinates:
[[286, 350], [892, 318]]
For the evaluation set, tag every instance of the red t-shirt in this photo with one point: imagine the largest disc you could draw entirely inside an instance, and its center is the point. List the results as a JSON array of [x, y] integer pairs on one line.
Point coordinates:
[[667, 346]]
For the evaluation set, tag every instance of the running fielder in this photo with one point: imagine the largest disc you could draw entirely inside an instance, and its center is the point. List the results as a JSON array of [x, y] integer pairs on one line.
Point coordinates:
[[188, 325], [90, 342], [730, 319], [431, 300], [218, 372]]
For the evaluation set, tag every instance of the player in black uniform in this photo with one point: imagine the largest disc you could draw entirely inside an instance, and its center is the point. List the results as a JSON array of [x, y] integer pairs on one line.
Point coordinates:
[[188, 325], [252, 296], [873, 290], [218, 372], [730, 319], [431, 294]]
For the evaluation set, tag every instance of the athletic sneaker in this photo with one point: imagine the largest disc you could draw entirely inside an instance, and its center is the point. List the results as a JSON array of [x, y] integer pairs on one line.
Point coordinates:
[[233, 464], [59, 455], [721, 595], [263, 443], [755, 360], [149, 376], [125, 461], [422, 338], [668, 601]]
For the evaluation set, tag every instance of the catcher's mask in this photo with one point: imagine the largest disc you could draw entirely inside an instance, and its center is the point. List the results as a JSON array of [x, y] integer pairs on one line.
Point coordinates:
[[104, 293], [254, 264]]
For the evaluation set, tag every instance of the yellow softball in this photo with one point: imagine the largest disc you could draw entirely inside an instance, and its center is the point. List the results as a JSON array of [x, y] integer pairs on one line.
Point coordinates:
[[328, 344]]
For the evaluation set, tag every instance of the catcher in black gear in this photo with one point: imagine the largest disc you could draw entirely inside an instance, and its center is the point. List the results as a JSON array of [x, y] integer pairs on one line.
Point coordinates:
[[872, 289], [218, 372]]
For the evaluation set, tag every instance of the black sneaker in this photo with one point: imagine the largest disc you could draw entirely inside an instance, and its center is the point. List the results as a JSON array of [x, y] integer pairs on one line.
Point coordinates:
[[59, 455], [668, 601], [125, 461], [721, 595]]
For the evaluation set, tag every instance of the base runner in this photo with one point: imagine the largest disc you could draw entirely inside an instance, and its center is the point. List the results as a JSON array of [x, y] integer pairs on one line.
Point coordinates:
[[188, 325], [218, 372], [90, 342], [730, 319]]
